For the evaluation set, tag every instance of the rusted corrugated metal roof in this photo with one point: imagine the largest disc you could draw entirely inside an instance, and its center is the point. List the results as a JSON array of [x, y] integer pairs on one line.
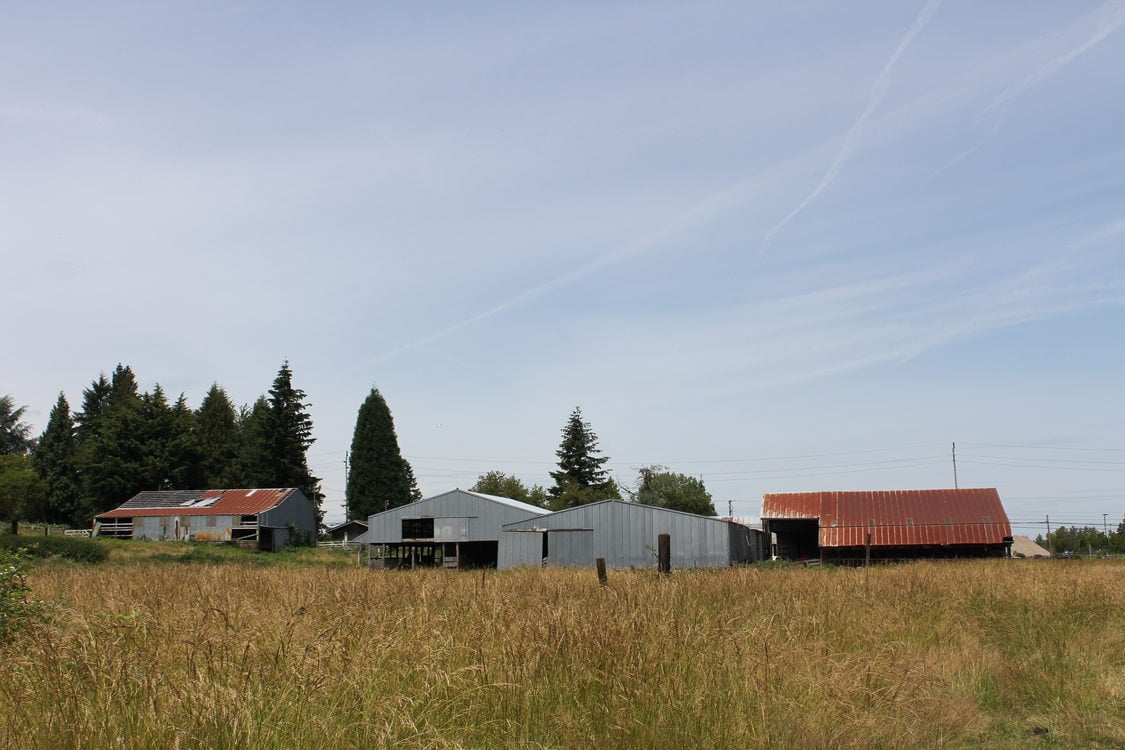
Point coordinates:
[[897, 517], [200, 503]]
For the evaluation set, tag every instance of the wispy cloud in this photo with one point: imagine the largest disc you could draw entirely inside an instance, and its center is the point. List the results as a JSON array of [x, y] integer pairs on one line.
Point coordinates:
[[851, 139], [58, 114], [1106, 20]]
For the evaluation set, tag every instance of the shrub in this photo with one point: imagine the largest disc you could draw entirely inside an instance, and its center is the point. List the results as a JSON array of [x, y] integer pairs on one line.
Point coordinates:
[[15, 607], [69, 548]]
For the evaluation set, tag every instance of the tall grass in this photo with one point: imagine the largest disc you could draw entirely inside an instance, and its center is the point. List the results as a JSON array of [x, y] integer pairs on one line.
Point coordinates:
[[225, 656]]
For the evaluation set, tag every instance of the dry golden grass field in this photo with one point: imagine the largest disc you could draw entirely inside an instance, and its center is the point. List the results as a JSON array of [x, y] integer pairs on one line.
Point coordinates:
[[149, 653]]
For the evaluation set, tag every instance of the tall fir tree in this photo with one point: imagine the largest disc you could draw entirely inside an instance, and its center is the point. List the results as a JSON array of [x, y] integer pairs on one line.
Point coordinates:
[[254, 467], [54, 459], [155, 436], [580, 478], [216, 433], [111, 449], [379, 477], [184, 472], [289, 428]]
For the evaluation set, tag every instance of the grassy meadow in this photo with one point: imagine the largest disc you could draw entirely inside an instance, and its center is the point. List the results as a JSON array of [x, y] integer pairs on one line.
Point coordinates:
[[221, 650]]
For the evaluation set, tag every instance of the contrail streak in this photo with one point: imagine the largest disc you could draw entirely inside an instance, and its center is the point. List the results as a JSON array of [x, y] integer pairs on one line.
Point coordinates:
[[851, 140], [1110, 17]]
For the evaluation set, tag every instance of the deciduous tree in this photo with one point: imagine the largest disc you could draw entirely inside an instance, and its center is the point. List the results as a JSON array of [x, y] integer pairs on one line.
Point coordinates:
[[22, 492], [668, 489], [510, 486]]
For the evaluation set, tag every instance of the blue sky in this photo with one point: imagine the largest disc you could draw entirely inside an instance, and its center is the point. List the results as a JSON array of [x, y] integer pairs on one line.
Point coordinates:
[[781, 246]]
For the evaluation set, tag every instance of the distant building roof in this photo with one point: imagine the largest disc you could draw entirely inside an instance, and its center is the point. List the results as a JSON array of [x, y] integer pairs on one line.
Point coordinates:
[[200, 502], [896, 517]]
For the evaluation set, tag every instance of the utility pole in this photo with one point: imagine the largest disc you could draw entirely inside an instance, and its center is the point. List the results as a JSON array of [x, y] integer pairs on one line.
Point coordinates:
[[730, 508], [346, 469], [1105, 525], [1050, 544], [955, 466]]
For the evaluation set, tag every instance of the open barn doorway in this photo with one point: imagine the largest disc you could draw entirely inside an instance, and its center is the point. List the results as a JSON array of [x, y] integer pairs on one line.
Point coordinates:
[[794, 538]]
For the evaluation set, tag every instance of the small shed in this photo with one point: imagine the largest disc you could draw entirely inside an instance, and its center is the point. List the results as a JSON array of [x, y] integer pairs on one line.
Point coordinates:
[[267, 519], [851, 527], [626, 536], [347, 531], [456, 529]]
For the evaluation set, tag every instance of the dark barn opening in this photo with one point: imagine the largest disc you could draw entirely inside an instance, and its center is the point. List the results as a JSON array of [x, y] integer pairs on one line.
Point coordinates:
[[796, 538]]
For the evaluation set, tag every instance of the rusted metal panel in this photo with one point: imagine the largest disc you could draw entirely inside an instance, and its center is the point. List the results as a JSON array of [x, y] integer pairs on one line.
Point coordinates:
[[200, 503], [897, 518]]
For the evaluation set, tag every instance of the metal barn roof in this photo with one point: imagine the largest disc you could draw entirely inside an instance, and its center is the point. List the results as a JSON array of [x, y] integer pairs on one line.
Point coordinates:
[[200, 502], [897, 517]]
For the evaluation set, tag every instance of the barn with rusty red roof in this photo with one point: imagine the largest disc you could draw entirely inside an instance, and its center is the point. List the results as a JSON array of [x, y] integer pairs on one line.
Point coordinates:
[[266, 519], [852, 527]]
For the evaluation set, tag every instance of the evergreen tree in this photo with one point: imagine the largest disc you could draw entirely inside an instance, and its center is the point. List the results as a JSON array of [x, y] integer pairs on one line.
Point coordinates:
[[184, 459], [156, 436], [15, 436], [379, 477], [54, 459], [216, 431], [254, 467], [111, 448], [289, 431], [580, 479]]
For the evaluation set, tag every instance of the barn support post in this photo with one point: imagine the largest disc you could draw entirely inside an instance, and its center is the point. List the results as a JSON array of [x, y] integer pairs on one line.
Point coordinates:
[[603, 579], [664, 554], [867, 551]]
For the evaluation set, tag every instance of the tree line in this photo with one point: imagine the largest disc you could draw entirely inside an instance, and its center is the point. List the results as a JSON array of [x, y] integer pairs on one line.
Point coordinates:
[[123, 441], [1084, 540], [581, 479], [381, 478]]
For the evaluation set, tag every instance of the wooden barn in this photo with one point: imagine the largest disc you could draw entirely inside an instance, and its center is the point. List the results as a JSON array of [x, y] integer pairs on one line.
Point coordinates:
[[267, 519], [854, 527]]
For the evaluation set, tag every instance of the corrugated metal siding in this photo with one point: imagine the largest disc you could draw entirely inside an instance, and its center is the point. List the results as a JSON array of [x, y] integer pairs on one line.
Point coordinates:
[[570, 548], [295, 509], [174, 528], [625, 534], [480, 517], [518, 548], [898, 518]]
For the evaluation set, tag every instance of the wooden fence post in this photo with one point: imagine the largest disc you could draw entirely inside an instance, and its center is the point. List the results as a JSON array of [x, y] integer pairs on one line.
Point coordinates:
[[603, 579], [867, 551], [664, 554]]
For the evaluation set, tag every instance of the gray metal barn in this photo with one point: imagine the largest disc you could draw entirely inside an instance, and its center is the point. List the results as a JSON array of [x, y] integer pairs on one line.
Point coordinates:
[[456, 529], [625, 534]]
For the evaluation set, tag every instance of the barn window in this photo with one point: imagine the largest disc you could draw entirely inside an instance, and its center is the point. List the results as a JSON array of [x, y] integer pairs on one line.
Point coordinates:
[[417, 528]]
